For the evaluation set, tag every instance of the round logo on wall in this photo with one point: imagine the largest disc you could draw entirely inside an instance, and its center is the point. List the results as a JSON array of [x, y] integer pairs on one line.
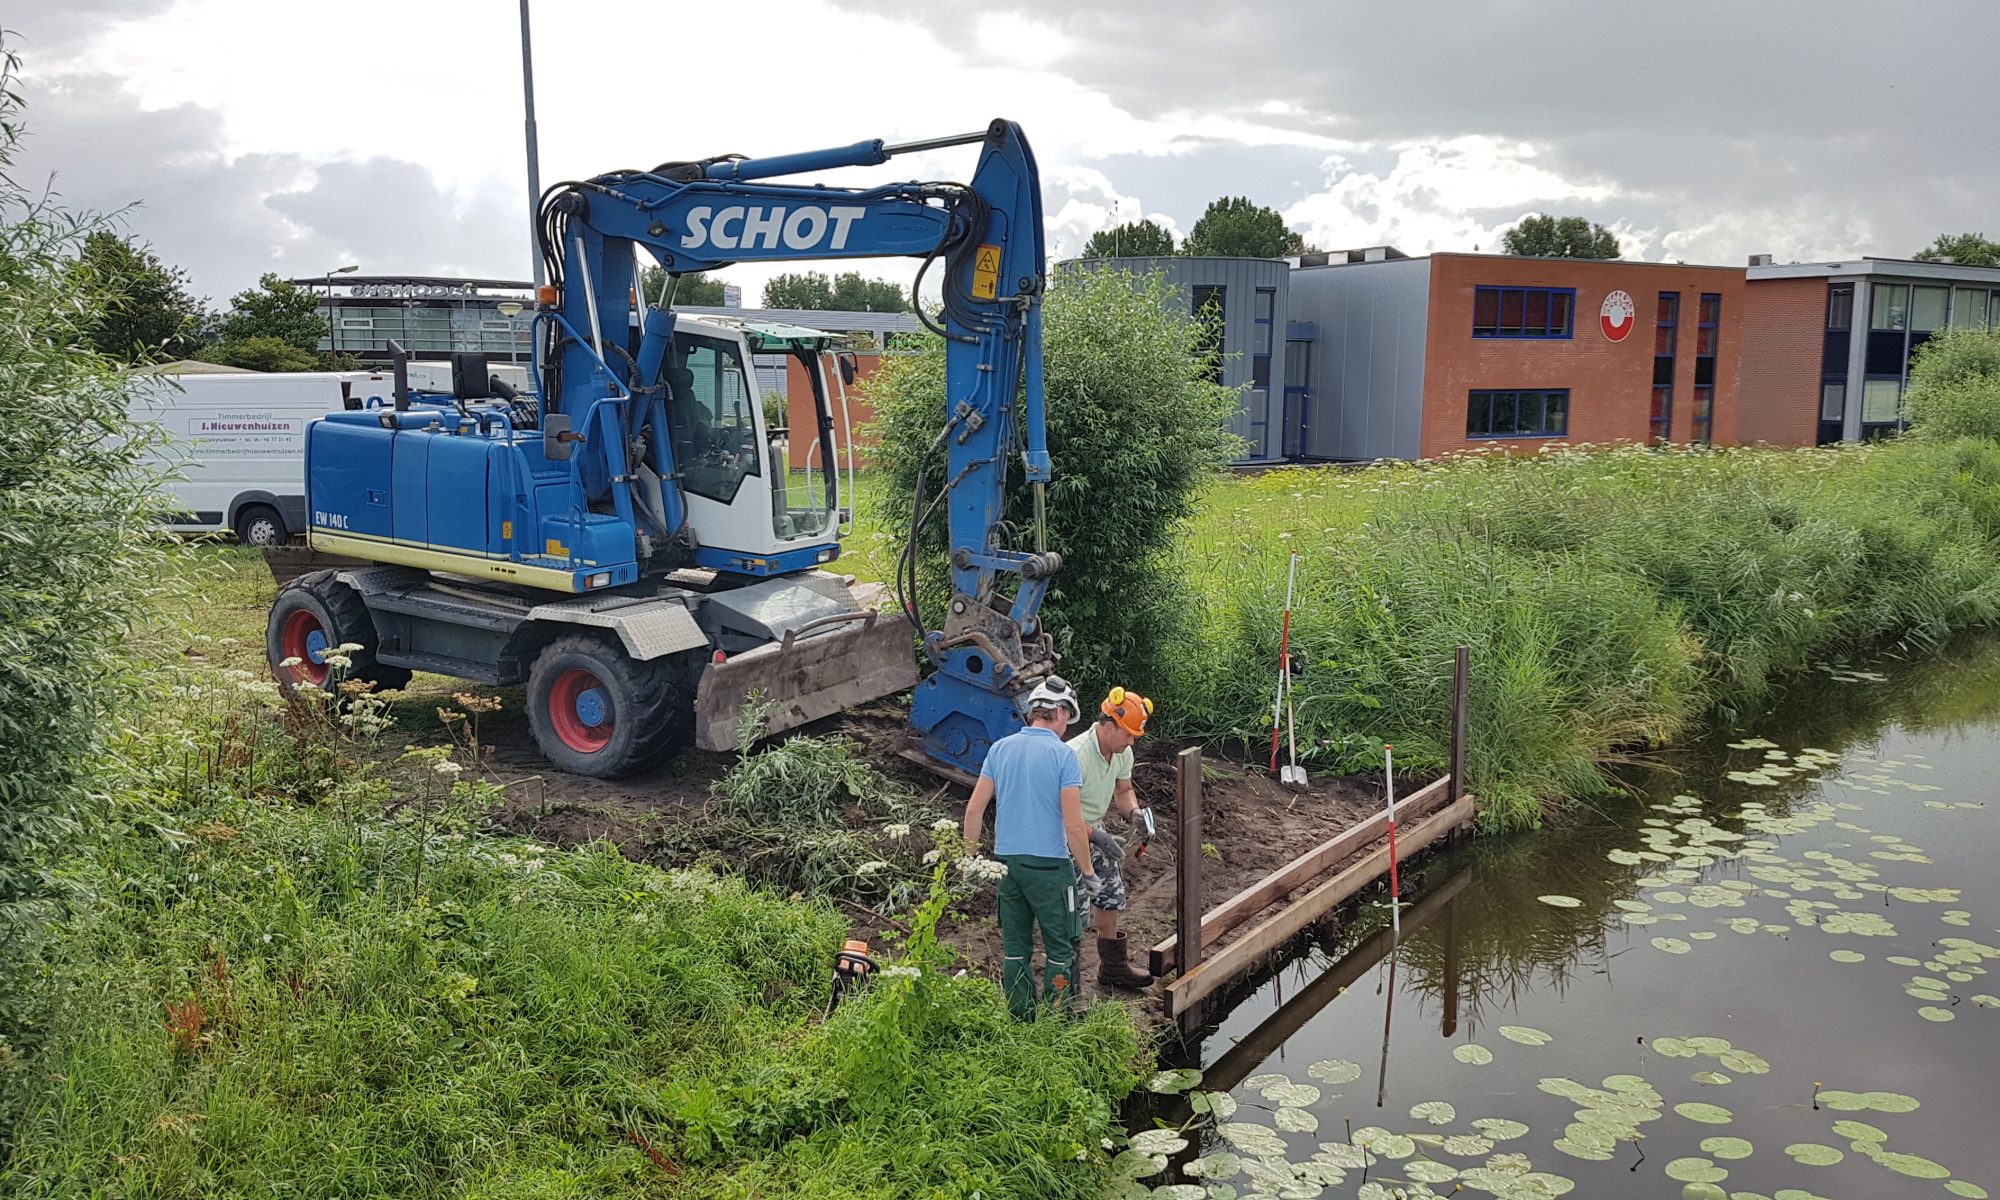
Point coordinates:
[[1617, 316]]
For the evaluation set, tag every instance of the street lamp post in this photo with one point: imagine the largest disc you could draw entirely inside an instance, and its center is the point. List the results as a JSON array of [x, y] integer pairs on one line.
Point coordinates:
[[511, 309], [333, 329]]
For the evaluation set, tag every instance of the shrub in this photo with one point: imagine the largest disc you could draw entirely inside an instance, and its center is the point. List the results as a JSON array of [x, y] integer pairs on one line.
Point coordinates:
[[1136, 427], [1955, 386], [76, 564]]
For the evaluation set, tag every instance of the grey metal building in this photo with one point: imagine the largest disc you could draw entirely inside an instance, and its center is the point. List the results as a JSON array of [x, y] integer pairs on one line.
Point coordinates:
[[1365, 367], [1249, 295]]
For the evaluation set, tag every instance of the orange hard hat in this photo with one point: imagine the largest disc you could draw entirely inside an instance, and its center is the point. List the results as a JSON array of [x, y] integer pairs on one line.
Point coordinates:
[[1128, 709]]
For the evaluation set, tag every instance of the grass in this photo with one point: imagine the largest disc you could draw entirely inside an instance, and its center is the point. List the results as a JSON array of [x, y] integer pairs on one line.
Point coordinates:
[[299, 966], [1612, 600]]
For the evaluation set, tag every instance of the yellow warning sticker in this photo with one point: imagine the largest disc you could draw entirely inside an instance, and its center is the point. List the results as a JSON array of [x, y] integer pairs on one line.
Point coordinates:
[[986, 272], [556, 549], [507, 531]]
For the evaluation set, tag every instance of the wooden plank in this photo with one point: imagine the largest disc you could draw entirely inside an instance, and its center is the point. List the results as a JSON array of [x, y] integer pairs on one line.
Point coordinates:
[[1259, 1044], [1244, 953], [1460, 676], [941, 770], [1285, 880], [1187, 842]]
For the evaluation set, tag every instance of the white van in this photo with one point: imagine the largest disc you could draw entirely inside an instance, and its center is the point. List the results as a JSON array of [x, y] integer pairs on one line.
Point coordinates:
[[239, 439], [239, 443]]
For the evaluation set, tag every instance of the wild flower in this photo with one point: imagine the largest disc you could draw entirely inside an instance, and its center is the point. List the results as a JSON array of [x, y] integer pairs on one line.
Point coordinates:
[[943, 825], [932, 856], [980, 869], [447, 768], [291, 662], [899, 971], [898, 831], [869, 868]]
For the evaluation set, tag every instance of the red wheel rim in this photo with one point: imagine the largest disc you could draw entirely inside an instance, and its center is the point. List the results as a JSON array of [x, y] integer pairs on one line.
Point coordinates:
[[580, 711], [304, 638]]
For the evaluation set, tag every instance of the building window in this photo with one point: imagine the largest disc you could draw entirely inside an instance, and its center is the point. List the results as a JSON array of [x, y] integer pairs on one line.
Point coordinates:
[[1665, 330], [1881, 401], [1889, 306], [1840, 308], [1501, 414], [1209, 309], [1512, 312], [1832, 402], [1267, 303], [1707, 335], [1927, 308], [1968, 308]]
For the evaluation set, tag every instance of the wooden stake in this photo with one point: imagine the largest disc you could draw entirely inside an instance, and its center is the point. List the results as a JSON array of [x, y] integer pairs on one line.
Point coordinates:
[[1460, 676], [1187, 867]]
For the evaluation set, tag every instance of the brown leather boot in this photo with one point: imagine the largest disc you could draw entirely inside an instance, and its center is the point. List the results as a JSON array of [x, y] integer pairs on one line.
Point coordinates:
[[1112, 968]]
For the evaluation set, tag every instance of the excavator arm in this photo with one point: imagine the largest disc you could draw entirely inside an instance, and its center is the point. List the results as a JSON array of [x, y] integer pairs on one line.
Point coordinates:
[[607, 394]]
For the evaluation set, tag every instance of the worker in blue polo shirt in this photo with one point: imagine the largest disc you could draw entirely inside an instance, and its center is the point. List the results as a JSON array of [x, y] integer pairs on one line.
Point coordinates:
[[1036, 786]]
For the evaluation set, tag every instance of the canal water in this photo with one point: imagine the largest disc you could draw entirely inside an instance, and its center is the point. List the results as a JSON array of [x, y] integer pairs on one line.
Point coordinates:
[[1772, 972]]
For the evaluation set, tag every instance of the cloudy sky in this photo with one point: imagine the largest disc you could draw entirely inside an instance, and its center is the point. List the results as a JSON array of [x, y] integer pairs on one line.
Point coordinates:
[[257, 136]]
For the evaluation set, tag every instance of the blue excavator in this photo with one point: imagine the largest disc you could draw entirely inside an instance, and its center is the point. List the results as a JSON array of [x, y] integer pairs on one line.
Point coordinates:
[[632, 547]]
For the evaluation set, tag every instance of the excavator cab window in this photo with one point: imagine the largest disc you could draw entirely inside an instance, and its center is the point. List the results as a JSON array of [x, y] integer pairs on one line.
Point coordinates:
[[713, 415]]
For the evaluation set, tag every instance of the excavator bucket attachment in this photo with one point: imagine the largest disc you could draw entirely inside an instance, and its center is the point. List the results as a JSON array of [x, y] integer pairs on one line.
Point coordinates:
[[823, 667]]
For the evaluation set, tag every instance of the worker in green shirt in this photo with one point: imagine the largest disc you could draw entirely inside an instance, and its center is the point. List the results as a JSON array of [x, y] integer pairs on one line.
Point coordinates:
[[1104, 752]]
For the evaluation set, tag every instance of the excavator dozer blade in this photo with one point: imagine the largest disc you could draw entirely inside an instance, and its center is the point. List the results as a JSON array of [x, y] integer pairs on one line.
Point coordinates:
[[807, 677]]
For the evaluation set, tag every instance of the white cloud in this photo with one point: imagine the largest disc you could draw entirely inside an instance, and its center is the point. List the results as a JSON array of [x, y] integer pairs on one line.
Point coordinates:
[[1080, 201], [1449, 195]]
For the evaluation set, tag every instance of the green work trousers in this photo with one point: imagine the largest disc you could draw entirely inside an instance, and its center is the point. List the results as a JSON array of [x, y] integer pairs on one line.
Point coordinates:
[[1038, 891]]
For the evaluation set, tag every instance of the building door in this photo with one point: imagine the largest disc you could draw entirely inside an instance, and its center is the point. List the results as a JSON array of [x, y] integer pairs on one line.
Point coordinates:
[[1298, 399]]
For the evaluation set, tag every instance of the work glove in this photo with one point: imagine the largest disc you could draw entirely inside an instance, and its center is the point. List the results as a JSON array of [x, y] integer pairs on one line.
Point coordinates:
[[1092, 887], [1106, 844]]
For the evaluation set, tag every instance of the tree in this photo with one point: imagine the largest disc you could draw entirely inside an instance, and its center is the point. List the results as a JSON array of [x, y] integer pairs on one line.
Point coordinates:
[[1970, 249], [1544, 236], [701, 288], [847, 292], [1136, 427], [148, 314], [276, 309], [1134, 239], [268, 354], [1233, 227], [79, 558], [1955, 386]]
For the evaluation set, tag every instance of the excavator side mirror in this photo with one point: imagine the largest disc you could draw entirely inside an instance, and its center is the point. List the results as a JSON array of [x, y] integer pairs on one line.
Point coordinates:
[[556, 447], [847, 365]]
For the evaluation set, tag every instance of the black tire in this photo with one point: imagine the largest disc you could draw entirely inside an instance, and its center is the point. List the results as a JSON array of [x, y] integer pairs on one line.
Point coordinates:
[[628, 715], [317, 599], [260, 525]]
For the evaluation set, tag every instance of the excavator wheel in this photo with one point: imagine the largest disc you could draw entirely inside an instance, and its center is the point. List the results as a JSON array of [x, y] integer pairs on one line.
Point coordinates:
[[313, 616], [596, 711]]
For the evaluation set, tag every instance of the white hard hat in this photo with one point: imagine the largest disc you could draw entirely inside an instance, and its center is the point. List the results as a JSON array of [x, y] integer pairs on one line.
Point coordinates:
[[1052, 691]]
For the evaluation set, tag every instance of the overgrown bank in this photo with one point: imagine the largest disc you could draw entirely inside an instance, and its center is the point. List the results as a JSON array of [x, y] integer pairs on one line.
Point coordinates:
[[297, 972], [1611, 598]]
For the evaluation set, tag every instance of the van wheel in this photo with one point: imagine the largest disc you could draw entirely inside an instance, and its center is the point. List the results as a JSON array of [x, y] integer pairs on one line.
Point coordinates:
[[260, 526], [596, 711], [314, 615]]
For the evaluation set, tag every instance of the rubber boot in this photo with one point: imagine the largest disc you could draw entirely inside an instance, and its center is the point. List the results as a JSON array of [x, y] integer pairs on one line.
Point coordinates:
[[1112, 968]]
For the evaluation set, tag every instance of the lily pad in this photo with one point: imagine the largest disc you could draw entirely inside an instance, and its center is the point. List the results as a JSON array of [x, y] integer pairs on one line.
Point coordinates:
[[1292, 1095], [1180, 1191], [1707, 1114], [1335, 1071], [1859, 1131], [1812, 1154], [1985, 1001], [1915, 1166], [1220, 1105], [1673, 1047], [1744, 1063], [1473, 1054], [1437, 1112], [1589, 1151], [1702, 1190], [1726, 1147], [1972, 1191], [1466, 1144], [1159, 1141], [1847, 956], [1426, 1170], [1931, 1012], [1137, 1164], [1696, 1170], [1500, 1129], [1561, 901], [1223, 1164], [1295, 1120], [1175, 1081], [1891, 1102], [1525, 1035], [1710, 1078], [1671, 945]]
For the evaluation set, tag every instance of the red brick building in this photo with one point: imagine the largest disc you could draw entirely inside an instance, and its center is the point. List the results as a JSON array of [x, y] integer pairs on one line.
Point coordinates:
[[1417, 357]]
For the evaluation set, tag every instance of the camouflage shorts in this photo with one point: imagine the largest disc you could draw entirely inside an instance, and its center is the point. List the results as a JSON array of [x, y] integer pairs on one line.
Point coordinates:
[[1108, 869]]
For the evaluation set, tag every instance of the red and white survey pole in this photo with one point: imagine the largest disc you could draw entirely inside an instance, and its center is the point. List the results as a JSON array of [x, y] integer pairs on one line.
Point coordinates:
[[1395, 881], [1284, 668]]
